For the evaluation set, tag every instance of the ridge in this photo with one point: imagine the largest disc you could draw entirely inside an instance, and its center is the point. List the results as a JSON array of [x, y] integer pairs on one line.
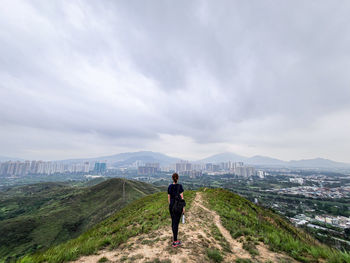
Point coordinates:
[[221, 227]]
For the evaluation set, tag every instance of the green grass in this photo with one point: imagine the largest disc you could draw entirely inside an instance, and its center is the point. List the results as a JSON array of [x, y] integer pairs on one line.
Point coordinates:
[[103, 259], [251, 248], [243, 218], [220, 238], [35, 217], [159, 261], [214, 255], [243, 260], [141, 216]]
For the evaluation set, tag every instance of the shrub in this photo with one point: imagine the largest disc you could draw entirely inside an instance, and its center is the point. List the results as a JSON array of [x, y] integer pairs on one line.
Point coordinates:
[[214, 254], [243, 260], [103, 259]]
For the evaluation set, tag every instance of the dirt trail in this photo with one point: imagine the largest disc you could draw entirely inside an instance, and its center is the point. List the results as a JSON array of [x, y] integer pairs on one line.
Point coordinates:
[[235, 246], [203, 229]]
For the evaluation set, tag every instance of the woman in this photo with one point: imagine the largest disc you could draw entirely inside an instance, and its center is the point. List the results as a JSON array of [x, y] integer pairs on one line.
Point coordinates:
[[173, 189]]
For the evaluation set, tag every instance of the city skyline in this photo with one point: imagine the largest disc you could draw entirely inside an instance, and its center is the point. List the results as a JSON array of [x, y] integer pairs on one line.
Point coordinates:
[[219, 158], [188, 79]]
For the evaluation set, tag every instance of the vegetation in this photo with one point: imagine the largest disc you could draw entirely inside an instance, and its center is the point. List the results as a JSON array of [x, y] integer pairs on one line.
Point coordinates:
[[249, 244], [214, 255], [243, 260], [288, 205], [103, 259], [68, 178], [35, 217], [219, 237], [243, 218], [141, 216]]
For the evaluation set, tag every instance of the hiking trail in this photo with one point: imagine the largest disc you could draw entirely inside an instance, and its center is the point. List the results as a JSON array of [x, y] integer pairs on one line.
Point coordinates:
[[203, 230]]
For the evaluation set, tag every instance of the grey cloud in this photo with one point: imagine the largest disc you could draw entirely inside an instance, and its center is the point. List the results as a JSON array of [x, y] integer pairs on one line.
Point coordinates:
[[129, 71]]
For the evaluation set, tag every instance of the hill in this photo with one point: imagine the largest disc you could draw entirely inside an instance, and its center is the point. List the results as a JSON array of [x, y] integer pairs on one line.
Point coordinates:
[[129, 158], [34, 217], [264, 160], [268, 161], [318, 163], [223, 157], [7, 158], [221, 227]]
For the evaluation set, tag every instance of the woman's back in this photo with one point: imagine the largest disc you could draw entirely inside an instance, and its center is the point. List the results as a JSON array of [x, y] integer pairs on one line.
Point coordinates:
[[173, 190]]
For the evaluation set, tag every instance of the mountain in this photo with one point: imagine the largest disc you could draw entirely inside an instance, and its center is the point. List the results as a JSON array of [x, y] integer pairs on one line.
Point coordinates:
[[268, 161], [318, 163], [221, 226], [34, 217], [264, 160], [143, 156], [6, 158], [223, 157], [129, 158]]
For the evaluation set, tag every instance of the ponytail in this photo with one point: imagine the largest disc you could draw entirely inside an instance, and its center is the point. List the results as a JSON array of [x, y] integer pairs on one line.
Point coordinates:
[[175, 177]]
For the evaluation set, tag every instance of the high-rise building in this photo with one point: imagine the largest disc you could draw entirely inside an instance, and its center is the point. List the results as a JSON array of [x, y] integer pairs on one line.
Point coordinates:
[[100, 167], [183, 166], [33, 167], [26, 169], [19, 168], [154, 165], [86, 168], [216, 167], [148, 169], [191, 173], [260, 174], [41, 168], [209, 167], [244, 171], [11, 168]]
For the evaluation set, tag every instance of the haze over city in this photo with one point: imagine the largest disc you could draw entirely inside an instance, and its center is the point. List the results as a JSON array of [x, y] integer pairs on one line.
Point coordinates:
[[185, 78]]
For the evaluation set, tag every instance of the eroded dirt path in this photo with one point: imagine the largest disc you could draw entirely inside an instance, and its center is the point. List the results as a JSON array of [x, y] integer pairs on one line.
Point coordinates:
[[235, 246], [203, 230]]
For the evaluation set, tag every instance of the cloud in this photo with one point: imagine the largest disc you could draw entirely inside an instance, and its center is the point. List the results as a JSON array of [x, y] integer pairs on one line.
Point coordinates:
[[105, 77]]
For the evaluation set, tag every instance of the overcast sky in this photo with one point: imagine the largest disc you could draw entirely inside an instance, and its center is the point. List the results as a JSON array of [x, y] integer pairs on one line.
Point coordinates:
[[186, 78]]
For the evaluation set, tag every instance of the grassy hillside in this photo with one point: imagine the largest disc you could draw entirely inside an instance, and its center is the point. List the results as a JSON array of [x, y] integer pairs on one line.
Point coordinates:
[[35, 217], [142, 216], [244, 220]]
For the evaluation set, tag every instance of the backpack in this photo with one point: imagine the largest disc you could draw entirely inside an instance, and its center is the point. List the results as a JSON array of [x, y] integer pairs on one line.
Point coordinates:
[[179, 203]]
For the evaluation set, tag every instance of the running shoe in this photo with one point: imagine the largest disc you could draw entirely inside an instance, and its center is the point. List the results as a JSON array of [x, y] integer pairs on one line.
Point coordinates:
[[178, 242]]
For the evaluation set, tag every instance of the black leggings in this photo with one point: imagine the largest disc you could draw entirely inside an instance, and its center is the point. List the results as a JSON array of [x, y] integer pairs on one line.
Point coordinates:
[[175, 220]]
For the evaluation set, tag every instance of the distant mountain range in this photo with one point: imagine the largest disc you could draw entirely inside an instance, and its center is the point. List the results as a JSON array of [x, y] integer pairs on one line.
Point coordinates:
[[268, 161], [6, 158], [255, 160], [124, 159], [128, 158]]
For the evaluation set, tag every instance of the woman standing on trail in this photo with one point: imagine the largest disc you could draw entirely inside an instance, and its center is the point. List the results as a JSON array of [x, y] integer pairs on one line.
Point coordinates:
[[174, 190]]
